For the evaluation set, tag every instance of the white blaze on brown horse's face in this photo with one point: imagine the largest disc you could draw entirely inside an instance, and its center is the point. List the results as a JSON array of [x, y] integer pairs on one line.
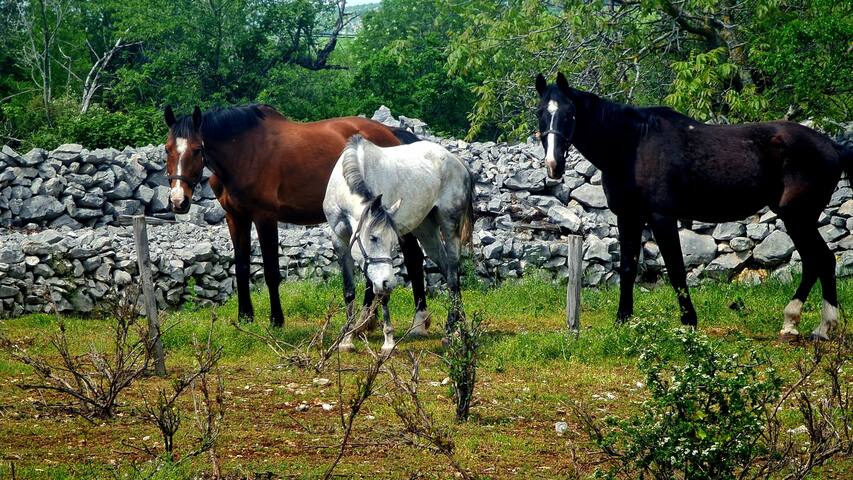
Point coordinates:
[[177, 193], [184, 162]]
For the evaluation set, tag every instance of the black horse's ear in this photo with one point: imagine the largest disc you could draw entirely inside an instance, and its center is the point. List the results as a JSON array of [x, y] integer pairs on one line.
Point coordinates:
[[563, 84], [541, 84], [197, 117], [169, 116]]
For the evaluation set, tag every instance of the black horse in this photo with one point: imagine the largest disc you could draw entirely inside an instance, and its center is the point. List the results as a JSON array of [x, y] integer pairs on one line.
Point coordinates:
[[659, 166]]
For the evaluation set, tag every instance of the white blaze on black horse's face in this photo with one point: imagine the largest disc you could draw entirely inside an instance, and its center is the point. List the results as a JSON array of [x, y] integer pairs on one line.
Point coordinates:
[[556, 116]]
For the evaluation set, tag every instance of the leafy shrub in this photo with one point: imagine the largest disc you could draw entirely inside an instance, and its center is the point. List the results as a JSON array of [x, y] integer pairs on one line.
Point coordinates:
[[98, 128], [705, 414]]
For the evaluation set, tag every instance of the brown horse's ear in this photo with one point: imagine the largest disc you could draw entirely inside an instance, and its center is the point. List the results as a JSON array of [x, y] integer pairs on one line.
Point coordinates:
[[541, 84], [169, 116], [197, 118], [563, 84], [376, 203]]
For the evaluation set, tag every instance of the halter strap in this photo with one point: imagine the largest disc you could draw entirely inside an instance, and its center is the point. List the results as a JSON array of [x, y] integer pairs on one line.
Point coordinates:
[[555, 132], [356, 239], [192, 182]]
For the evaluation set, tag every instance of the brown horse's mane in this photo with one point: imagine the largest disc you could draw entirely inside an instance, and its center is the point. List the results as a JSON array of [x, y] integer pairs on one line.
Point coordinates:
[[224, 123]]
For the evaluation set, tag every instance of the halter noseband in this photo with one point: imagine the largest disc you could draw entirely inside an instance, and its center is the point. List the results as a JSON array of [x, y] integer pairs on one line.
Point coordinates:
[[555, 132], [192, 182], [356, 239]]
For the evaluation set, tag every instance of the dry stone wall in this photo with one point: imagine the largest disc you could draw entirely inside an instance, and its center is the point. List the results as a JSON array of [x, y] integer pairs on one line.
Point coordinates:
[[59, 237]]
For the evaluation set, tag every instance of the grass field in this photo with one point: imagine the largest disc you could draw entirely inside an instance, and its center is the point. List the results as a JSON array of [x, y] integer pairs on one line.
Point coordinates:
[[529, 373]]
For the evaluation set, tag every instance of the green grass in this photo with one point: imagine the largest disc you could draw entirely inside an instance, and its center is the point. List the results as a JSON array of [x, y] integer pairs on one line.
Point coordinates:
[[530, 370]]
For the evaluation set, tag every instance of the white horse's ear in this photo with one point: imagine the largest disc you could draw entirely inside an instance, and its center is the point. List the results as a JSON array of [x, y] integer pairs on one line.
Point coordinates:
[[393, 208]]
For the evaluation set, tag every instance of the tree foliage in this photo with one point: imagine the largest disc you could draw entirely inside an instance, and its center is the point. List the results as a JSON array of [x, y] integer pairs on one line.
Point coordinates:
[[100, 70]]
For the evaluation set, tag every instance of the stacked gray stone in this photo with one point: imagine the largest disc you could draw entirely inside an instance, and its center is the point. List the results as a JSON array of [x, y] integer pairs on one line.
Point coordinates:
[[67, 202], [75, 187]]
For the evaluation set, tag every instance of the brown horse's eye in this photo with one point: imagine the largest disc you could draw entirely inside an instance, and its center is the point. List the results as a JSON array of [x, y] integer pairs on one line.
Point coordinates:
[[196, 151]]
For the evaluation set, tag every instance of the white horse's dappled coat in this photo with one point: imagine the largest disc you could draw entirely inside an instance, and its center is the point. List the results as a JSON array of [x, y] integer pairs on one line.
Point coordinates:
[[420, 188]]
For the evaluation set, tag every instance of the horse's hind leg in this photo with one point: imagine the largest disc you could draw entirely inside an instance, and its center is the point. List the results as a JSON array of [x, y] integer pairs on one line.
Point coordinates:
[[799, 231], [268, 238], [429, 234], [414, 260], [240, 230], [630, 231], [818, 263], [452, 253], [666, 234]]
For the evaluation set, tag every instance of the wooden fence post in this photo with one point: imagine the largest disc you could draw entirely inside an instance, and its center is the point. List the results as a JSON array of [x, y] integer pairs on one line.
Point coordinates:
[[575, 281], [140, 235]]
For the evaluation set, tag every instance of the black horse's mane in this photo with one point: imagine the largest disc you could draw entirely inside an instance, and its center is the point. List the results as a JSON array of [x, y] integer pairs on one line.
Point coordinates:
[[643, 118]]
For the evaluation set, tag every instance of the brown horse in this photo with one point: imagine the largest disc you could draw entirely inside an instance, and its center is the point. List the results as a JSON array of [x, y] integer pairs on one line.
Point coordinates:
[[658, 166], [268, 169]]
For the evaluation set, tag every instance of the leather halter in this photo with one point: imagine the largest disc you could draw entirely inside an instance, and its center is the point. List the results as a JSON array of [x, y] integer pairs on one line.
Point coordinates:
[[356, 239], [555, 132], [192, 182]]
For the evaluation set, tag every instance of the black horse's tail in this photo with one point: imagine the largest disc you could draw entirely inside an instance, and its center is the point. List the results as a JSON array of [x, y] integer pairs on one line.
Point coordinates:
[[845, 153], [404, 136]]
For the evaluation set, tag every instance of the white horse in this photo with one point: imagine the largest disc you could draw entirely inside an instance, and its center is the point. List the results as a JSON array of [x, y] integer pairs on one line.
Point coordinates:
[[427, 192]]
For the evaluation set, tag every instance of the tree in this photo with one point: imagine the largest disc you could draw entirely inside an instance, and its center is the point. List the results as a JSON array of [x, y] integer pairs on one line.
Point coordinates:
[[712, 59], [400, 57]]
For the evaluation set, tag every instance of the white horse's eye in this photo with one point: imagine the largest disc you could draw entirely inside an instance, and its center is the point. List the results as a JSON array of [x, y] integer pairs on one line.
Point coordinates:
[[374, 238]]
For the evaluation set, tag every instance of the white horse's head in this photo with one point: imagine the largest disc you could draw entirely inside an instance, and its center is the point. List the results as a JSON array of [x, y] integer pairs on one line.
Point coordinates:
[[377, 239]]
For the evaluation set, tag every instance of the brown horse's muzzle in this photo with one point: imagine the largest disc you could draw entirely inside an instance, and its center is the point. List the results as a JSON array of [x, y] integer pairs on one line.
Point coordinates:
[[179, 198]]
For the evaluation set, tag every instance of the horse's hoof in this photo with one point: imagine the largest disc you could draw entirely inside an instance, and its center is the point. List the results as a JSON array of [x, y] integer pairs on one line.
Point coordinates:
[[789, 337], [386, 350], [277, 323], [419, 331], [346, 348], [819, 337]]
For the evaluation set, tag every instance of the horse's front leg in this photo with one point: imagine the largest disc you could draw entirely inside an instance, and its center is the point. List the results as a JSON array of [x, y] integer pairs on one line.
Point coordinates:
[[387, 328], [340, 242], [666, 234], [240, 230], [268, 238], [630, 232]]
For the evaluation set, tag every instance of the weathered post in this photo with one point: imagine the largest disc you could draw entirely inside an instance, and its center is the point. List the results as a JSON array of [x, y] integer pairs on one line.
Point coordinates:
[[575, 281], [140, 235]]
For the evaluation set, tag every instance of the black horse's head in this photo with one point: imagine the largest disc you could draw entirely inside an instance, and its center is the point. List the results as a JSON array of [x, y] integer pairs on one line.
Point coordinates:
[[184, 162], [556, 115]]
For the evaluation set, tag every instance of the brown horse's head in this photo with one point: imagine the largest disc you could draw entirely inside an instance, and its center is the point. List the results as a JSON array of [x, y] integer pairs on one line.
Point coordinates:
[[184, 162], [556, 114]]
